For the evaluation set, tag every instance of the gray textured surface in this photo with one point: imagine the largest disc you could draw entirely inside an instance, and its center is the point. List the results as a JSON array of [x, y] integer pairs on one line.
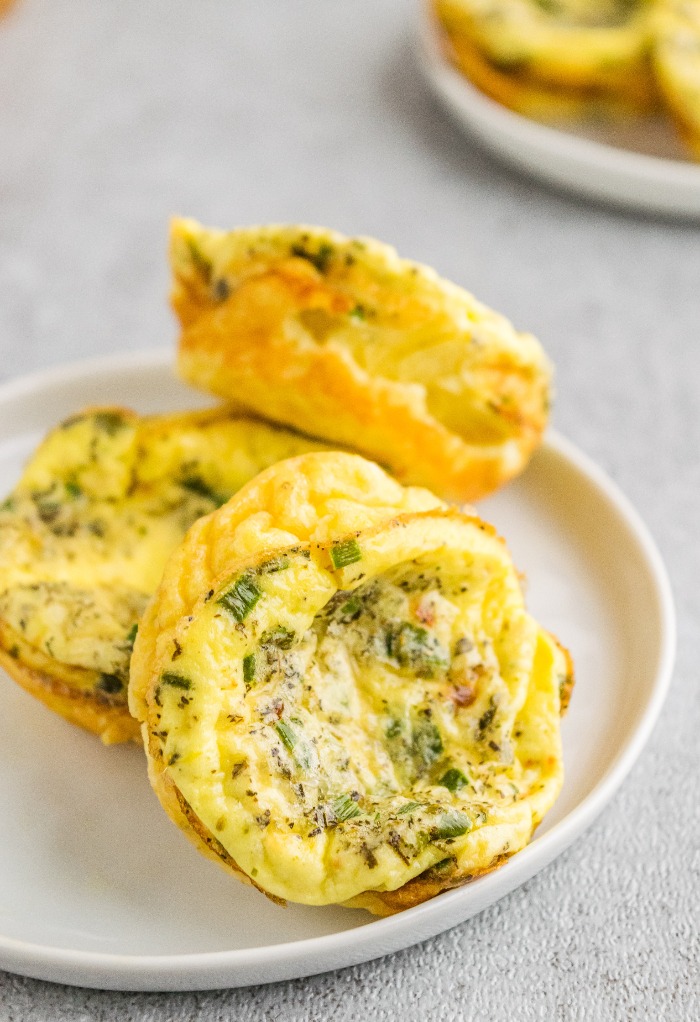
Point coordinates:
[[115, 115]]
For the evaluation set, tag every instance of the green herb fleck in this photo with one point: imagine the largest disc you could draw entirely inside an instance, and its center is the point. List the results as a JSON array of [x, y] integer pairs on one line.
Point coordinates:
[[287, 734], [195, 484], [426, 746], [345, 808], [408, 807], [73, 490], [394, 729], [277, 564], [109, 422], [279, 636], [351, 610], [201, 263], [415, 648], [358, 313], [241, 597], [318, 259], [175, 680], [452, 824], [345, 553], [486, 719], [550, 6], [453, 780], [249, 669], [131, 635], [110, 684]]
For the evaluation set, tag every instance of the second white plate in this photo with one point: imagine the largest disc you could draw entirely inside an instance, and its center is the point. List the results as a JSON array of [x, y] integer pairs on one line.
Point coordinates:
[[639, 165], [98, 888]]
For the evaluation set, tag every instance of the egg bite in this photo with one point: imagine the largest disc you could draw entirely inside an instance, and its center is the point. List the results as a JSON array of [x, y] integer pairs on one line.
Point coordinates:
[[677, 65], [343, 697], [554, 59], [342, 339], [85, 534]]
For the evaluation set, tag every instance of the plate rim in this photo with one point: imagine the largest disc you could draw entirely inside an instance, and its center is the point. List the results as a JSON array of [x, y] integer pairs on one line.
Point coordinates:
[[276, 962], [473, 108]]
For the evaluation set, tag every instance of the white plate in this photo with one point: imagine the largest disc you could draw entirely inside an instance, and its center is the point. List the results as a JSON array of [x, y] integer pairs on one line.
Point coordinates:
[[638, 164], [98, 888]]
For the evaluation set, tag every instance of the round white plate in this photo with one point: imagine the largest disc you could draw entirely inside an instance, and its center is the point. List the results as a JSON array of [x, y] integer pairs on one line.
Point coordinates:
[[98, 888], [637, 164]]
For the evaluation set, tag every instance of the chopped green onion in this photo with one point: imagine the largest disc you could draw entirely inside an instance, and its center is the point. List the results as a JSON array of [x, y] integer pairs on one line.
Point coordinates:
[[426, 745], [416, 648], [175, 680], [345, 808], [276, 564], [221, 289], [131, 635], [453, 780], [241, 597], [408, 808], [352, 609], [47, 510], [452, 824], [200, 261], [287, 735], [346, 552], [394, 729], [281, 637], [249, 669]]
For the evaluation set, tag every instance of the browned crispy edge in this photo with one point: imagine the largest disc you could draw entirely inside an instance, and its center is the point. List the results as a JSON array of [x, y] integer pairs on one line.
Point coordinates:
[[95, 711], [519, 91], [181, 812]]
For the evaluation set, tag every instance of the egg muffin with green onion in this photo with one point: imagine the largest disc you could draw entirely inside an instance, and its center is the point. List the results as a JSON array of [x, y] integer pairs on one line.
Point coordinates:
[[342, 339], [562, 58], [85, 534], [343, 697]]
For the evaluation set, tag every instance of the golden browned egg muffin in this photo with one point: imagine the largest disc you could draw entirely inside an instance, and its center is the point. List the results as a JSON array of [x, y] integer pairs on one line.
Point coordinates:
[[677, 65], [84, 537], [559, 58], [340, 338], [343, 697]]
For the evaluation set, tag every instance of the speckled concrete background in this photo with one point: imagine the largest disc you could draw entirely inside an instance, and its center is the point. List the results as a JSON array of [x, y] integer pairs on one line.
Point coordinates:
[[113, 116]]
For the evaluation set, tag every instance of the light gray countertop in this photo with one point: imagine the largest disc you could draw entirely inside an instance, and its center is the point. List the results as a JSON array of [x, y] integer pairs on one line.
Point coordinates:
[[116, 115]]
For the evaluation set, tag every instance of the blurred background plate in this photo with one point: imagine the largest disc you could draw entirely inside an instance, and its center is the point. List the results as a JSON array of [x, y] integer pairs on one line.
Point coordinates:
[[638, 164], [99, 889]]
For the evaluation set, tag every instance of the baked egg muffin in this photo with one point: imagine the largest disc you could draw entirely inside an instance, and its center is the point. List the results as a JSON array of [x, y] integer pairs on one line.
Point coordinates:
[[554, 59], [85, 534], [343, 697], [677, 65], [342, 339]]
